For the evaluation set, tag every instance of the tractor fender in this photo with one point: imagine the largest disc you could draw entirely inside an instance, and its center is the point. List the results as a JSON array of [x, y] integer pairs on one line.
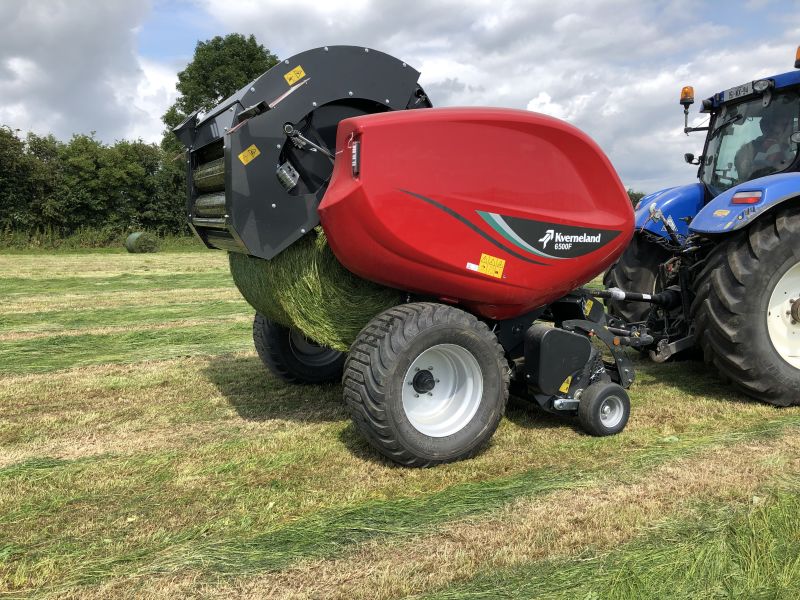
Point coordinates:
[[721, 215], [680, 204]]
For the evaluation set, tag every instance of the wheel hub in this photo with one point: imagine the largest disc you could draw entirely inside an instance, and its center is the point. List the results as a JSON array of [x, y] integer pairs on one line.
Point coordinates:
[[795, 311], [423, 382], [442, 390], [783, 316], [611, 411]]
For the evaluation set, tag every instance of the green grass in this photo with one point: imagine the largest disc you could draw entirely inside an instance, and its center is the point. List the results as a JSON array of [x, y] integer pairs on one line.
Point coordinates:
[[60, 320], [56, 352], [160, 451], [721, 552], [23, 286]]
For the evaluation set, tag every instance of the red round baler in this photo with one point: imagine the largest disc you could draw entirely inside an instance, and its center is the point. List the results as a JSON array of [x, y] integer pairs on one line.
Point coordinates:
[[487, 220], [499, 210]]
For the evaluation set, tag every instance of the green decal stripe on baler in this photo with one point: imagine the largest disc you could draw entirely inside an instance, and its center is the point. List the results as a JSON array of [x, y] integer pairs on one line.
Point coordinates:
[[472, 226], [497, 223]]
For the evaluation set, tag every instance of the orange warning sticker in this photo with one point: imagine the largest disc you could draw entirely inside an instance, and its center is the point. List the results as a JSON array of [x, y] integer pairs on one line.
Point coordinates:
[[491, 266], [294, 75], [249, 154]]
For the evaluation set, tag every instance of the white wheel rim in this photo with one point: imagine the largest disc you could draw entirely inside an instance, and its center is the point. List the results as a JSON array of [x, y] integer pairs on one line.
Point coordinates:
[[442, 390], [611, 411], [783, 328]]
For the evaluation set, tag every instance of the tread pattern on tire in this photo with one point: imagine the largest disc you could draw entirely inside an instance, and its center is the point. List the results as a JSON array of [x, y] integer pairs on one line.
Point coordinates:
[[366, 371], [719, 307]]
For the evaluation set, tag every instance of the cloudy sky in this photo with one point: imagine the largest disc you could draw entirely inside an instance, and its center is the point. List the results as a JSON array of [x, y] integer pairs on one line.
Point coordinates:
[[614, 68]]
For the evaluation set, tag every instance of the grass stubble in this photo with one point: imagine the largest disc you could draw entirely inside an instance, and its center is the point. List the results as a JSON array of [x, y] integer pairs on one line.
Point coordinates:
[[185, 469]]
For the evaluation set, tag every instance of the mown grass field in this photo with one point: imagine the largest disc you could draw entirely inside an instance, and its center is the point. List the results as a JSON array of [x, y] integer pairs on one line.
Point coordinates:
[[144, 452]]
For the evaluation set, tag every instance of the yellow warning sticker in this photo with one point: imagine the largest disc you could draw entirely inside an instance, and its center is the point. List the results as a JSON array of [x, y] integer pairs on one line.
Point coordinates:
[[587, 308], [722, 212], [294, 75], [249, 154], [491, 266], [564, 389]]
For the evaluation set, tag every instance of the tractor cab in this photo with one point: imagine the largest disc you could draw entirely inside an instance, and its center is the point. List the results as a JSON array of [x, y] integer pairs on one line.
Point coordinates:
[[753, 132]]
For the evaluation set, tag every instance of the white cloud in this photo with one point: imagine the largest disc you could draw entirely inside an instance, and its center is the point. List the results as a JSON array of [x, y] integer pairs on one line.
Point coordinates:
[[611, 67], [614, 68], [72, 67], [147, 97]]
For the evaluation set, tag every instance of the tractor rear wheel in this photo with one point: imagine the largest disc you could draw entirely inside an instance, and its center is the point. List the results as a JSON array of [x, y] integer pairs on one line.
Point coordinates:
[[291, 356], [635, 271], [426, 384], [747, 308]]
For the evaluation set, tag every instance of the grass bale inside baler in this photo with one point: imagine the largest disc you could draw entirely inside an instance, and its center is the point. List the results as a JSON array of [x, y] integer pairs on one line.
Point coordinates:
[[307, 288]]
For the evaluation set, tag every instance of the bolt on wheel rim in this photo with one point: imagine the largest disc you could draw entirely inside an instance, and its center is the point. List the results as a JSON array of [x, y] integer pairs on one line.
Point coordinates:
[[611, 411], [442, 390], [309, 352], [782, 326]]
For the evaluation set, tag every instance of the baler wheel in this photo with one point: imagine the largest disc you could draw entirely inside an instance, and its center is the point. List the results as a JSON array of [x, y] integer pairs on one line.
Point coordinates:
[[746, 301], [292, 357], [635, 271], [604, 409], [426, 384]]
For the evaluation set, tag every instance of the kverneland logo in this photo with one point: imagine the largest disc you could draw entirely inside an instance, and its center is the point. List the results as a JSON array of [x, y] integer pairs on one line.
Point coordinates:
[[564, 242]]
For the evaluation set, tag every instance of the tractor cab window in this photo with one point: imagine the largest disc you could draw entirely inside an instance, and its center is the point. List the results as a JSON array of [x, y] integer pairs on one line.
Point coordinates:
[[750, 140]]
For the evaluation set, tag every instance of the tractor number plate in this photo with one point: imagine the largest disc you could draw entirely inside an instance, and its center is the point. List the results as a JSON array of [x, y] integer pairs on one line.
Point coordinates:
[[740, 91]]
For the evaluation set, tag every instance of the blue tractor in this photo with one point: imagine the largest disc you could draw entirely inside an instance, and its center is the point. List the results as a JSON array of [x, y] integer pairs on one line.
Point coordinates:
[[717, 262]]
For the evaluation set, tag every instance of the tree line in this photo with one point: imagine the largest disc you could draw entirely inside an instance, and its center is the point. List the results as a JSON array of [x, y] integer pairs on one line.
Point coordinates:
[[63, 187]]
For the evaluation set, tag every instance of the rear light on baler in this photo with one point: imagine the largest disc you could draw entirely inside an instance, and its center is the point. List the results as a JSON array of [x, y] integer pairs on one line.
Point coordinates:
[[355, 157], [746, 198]]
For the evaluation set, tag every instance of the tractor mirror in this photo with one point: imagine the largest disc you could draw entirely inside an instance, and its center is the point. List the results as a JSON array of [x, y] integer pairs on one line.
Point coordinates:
[[688, 157]]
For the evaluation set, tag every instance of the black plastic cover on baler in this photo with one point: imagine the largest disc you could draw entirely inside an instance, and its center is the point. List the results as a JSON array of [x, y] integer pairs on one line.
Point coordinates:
[[243, 141]]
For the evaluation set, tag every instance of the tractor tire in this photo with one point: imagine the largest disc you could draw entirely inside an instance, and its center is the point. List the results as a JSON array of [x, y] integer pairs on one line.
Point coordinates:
[[294, 358], [745, 320], [635, 271], [426, 384]]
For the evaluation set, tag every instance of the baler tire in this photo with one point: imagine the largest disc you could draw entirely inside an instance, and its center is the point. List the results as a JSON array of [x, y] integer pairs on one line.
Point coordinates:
[[277, 348], [731, 307], [381, 359], [598, 397], [635, 271]]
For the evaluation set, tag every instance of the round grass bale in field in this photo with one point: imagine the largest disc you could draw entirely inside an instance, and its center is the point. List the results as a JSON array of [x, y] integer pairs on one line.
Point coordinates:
[[140, 242], [306, 287]]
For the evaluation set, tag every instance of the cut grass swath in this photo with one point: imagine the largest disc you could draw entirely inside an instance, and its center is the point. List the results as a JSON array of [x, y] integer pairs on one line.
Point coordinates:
[[62, 352], [55, 321], [326, 533], [725, 552], [16, 286]]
